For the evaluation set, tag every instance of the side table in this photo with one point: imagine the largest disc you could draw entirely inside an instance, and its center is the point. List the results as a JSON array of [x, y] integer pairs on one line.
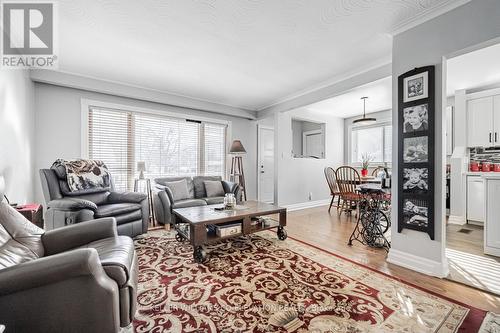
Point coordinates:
[[32, 212], [149, 192]]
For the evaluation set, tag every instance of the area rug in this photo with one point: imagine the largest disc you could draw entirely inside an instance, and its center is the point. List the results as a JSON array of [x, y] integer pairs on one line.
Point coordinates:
[[260, 284]]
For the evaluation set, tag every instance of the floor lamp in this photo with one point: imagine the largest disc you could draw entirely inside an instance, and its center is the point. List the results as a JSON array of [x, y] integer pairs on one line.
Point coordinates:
[[237, 175]]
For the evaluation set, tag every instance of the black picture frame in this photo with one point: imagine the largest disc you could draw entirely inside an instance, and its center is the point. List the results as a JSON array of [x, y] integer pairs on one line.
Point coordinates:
[[415, 205]]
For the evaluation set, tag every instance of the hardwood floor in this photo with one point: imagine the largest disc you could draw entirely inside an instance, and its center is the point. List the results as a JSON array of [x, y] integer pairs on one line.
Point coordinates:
[[331, 232], [467, 262]]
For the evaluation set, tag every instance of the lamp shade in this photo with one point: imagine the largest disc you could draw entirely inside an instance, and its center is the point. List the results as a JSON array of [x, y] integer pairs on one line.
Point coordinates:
[[237, 148], [141, 166]]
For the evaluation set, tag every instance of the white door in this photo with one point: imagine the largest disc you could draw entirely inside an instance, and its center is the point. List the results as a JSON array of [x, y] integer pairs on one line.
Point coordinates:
[[492, 229], [496, 119], [266, 164], [480, 122], [475, 198], [312, 144]]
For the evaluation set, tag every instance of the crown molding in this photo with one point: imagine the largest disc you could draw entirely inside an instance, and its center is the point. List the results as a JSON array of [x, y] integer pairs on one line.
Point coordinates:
[[427, 15], [76, 81]]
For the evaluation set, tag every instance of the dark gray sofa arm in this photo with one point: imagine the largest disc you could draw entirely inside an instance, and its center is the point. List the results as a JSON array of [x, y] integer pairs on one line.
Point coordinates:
[[50, 270], [72, 204], [67, 292], [70, 237], [230, 187], [131, 197], [162, 204]]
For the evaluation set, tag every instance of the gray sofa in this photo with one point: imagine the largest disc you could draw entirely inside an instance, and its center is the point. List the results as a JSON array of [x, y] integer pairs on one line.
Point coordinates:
[[82, 278], [130, 209], [164, 198]]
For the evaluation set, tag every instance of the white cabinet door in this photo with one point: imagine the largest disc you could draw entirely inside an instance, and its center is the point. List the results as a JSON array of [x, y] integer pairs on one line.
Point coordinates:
[[475, 198], [496, 120], [480, 122], [492, 224]]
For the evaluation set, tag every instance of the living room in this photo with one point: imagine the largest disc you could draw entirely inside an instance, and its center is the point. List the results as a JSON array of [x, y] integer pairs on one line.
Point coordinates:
[[211, 166]]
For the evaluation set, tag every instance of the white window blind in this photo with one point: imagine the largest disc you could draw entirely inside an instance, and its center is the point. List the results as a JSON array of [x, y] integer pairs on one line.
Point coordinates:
[[108, 141], [215, 149], [170, 146], [374, 140]]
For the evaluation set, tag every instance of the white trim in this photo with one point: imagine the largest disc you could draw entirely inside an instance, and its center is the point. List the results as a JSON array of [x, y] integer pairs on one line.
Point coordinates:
[[87, 103], [427, 14], [455, 219], [307, 204], [259, 128], [419, 264], [484, 93], [304, 141]]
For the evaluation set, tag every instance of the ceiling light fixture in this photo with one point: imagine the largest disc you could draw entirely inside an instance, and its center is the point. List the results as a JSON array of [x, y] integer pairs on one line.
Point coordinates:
[[364, 120]]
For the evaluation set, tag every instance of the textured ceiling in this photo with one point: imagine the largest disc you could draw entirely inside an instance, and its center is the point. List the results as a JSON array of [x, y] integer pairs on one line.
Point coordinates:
[[248, 54]]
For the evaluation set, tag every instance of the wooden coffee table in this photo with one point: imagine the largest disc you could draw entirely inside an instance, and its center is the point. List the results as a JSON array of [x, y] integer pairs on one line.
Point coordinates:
[[191, 223]]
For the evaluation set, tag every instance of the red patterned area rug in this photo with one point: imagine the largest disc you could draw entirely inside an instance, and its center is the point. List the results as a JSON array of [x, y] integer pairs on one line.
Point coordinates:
[[260, 284]]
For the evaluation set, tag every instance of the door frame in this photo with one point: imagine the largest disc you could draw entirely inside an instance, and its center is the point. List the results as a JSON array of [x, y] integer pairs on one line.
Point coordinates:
[[304, 142], [259, 132]]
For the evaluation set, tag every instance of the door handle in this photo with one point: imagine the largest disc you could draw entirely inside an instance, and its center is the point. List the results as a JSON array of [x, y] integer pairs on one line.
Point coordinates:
[[262, 171], [490, 137], [496, 137]]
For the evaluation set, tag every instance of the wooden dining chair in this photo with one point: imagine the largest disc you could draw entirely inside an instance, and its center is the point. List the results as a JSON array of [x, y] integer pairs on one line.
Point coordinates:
[[347, 179], [331, 179], [377, 170]]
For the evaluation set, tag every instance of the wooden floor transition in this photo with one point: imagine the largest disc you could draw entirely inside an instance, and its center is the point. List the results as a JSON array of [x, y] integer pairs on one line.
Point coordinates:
[[331, 232]]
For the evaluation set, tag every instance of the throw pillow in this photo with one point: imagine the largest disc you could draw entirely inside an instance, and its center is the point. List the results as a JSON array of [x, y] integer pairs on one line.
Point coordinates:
[[179, 189], [214, 188]]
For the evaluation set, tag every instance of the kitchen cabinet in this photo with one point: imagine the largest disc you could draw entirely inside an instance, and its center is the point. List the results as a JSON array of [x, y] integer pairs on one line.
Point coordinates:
[[483, 121], [496, 120], [492, 221], [479, 122], [475, 199]]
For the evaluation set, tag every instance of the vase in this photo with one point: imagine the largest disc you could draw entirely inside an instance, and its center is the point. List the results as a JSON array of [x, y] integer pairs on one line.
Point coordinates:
[[364, 172]]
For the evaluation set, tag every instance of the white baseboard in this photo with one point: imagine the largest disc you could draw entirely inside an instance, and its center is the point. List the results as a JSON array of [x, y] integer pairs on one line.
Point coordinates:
[[307, 204], [455, 219], [419, 264]]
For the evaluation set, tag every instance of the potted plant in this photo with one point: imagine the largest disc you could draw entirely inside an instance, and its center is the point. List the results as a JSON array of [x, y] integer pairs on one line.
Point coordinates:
[[366, 158]]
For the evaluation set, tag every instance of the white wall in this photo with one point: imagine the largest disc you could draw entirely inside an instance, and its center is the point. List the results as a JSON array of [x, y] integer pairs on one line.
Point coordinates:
[[58, 127], [299, 176], [17, 134], [426, 44]]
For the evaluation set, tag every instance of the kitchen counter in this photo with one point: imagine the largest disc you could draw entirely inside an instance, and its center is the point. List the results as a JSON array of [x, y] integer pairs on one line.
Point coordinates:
[[479, 173]]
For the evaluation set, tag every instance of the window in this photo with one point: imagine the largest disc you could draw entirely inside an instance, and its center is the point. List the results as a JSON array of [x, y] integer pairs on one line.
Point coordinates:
[[375, 140], [170, 146]]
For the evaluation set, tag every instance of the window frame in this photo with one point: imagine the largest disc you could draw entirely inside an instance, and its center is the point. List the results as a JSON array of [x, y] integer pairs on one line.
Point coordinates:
[[87, 104], [380, 123]]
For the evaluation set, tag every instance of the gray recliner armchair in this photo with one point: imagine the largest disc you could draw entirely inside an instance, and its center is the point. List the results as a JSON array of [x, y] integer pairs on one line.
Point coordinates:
[[165, 201], [130, 209], [82, 278]]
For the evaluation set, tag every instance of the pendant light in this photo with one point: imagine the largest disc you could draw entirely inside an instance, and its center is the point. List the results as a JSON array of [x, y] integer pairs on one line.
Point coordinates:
[[364, 120]]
